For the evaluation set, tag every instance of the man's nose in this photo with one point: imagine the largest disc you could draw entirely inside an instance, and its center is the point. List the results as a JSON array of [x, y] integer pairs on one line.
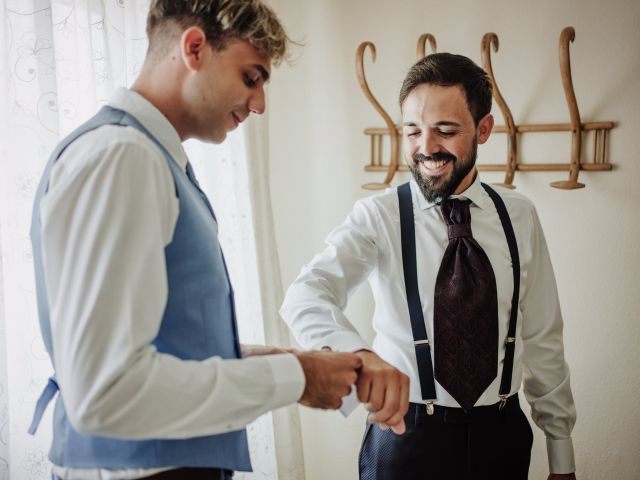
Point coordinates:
[[257, 102], [429, 143]]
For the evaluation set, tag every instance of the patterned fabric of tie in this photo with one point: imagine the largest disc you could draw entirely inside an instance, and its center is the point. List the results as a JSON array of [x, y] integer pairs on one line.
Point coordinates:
[[465, 319]]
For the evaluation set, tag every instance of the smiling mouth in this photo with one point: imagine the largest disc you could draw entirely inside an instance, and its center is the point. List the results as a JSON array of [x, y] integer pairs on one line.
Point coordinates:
[[434, 166]]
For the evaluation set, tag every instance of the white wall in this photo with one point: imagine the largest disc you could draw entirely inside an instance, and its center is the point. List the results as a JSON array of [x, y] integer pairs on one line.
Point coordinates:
[[318, 151]]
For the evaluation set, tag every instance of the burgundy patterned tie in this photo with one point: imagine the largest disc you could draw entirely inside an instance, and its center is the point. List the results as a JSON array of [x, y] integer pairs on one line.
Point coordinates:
[[465, 319]]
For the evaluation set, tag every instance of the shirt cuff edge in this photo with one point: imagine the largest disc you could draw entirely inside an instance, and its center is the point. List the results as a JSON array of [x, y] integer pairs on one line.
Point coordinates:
[[561, 455], [288, 378]]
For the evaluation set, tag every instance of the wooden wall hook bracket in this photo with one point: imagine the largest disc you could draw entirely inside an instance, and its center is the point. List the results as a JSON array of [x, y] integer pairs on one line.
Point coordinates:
[[376, 140], [488, 40], [568, 35], [422, 44], [600, 129]]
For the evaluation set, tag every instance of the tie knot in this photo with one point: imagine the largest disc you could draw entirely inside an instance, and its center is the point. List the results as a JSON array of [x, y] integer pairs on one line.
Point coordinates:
[[458, 217], [456, 231], [456, 212]]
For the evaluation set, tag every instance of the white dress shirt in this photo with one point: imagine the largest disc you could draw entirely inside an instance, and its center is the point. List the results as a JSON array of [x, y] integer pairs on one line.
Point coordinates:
[[110, 211], [367, 247]]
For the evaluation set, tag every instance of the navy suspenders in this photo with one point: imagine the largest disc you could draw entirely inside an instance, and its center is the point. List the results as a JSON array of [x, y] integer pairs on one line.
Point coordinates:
[[420, 338], [510, 341], [410, 267]]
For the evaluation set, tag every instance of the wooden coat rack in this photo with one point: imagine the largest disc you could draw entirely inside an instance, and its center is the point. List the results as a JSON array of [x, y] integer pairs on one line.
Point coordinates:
[[513, 131]]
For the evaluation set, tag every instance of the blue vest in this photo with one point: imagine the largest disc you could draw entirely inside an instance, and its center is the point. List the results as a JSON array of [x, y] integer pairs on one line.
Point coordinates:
[[198, 323]]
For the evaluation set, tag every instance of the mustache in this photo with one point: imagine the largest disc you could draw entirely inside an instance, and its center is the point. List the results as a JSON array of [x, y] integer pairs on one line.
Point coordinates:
[[436, 157]]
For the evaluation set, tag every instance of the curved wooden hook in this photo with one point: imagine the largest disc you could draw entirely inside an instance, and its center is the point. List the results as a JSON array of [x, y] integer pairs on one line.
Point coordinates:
[[512, 147], [567, 36], [422, 44], [391, 127]]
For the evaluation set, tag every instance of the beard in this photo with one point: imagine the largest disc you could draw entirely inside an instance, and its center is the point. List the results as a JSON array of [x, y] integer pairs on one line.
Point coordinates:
[[436, 188]]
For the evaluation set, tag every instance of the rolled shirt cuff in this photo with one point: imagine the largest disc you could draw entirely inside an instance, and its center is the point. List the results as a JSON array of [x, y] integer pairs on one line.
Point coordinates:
[[345, 341], [288, 376], [561, 456]]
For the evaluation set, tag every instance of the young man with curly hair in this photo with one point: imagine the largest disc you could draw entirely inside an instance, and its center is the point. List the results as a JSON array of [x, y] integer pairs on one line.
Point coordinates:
[[135, 303]]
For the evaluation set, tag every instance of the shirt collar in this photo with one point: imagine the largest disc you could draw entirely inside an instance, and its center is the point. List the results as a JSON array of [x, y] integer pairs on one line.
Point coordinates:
[[153, 120], [475, 193]]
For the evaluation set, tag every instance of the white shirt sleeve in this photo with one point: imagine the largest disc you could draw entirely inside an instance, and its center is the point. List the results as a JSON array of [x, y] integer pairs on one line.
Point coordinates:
[[110, 212], [546, 374], [314, 304]]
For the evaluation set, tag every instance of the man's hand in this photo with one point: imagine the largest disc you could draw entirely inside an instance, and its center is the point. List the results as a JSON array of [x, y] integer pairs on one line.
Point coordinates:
[[562, 476], [329, 377], [385, 390]]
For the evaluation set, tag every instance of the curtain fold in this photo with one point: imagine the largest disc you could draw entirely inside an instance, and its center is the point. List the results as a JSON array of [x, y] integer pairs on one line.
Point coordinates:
[[286, 421], [4, 399], [29, 129], [60, 60]]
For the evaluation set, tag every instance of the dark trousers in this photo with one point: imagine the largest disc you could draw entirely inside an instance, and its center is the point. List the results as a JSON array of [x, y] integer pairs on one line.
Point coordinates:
[[484, 443], [192, 474]]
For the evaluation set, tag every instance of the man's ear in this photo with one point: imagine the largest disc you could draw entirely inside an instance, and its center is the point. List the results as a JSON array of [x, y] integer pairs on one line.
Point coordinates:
[[484, 128], [193, 46]]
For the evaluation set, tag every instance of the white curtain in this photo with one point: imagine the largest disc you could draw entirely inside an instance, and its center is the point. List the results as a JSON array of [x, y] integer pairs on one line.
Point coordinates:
[[59, 61]]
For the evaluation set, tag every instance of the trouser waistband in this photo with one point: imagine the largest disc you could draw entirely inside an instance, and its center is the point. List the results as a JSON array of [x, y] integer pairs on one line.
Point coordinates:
[[481, 414]]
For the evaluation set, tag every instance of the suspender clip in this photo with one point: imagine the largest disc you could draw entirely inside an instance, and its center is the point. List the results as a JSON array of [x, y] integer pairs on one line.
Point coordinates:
[[503, 401], [421, 342], [430, 407], [510, 340]]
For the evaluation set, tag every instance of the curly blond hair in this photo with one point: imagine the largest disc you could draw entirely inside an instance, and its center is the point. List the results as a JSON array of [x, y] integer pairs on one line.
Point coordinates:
[[222, 21]]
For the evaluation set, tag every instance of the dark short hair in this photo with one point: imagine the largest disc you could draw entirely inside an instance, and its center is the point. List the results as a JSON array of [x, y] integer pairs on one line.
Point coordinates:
[[447, 69], [221, 21]]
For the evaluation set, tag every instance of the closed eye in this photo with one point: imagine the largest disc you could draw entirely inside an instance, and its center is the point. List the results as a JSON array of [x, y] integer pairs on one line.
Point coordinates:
[[446, 133], [250, 81]]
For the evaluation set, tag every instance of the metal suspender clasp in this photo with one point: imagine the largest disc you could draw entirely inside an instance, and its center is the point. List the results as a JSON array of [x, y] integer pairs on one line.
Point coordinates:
[[503, 401], [510, 340], [430, 407], [429, 403]]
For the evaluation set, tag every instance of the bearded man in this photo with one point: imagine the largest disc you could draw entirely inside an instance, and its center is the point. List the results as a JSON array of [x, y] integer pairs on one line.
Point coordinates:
[[466, 302]]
